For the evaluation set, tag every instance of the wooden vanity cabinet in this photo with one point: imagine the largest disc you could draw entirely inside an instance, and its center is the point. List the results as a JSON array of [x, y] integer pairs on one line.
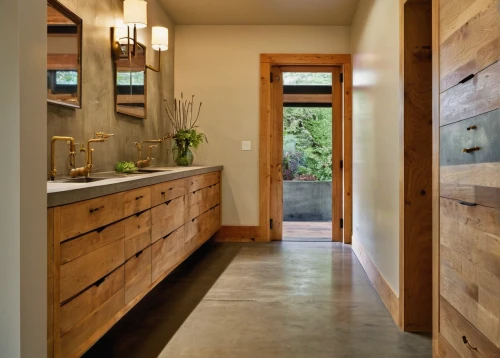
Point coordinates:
[[106, 254]]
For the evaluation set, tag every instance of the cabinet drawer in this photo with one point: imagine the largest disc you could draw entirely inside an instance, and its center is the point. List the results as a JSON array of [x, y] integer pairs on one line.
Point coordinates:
[[163, 192], [201, 181], [167, 217], [137, 274], [135, 201], [76, 341], [482, 131], [138, 233], [84, 304], [200, 229], [469, 39], [86, 270], [470, 264], [201, 200], [82, 245], [462, 335], [85, 216], [167, 252]]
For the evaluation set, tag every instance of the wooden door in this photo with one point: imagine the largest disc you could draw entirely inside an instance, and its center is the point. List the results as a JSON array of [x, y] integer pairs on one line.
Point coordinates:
[[277, 100]]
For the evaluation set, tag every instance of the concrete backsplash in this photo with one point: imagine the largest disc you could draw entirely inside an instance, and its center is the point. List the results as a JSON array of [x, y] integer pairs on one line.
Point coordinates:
[[98, 104]]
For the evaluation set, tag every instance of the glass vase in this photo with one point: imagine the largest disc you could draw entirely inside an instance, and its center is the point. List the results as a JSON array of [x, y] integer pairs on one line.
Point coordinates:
[[183, 157]]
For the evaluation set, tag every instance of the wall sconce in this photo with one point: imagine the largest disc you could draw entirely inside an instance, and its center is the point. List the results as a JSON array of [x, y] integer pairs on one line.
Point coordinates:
[[135, 14], [159, 42]]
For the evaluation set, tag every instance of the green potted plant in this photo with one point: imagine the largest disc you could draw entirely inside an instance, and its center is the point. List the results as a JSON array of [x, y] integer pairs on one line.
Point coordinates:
[[186, 134]]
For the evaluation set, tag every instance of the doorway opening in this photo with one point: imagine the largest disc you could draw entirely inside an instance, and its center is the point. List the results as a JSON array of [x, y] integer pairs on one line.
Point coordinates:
[[307, 154], [274, 97]]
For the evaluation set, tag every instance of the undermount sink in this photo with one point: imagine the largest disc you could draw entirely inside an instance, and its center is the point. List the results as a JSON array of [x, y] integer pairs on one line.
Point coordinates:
[[82, 180]]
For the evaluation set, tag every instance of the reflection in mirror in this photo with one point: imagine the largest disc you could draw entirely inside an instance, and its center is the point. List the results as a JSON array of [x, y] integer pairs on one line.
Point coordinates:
[[131, 81], [64, 43]]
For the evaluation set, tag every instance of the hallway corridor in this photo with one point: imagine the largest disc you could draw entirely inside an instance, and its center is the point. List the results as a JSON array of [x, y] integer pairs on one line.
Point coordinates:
[[288, 300]]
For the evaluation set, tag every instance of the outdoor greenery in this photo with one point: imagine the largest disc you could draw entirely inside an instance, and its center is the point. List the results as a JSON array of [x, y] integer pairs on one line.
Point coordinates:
[[66, 77], [307, 143], [307, 135]]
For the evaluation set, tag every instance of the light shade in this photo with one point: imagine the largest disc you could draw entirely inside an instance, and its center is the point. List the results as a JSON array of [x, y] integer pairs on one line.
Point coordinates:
[[135, 12], [159, 38]]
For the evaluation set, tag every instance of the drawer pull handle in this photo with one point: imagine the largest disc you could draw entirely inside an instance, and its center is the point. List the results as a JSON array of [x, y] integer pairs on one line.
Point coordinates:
[[139, 197], [467, 203], [163, 192], [470, 150], [468, 78], [99, 282], [164, 237], [170, 188], [139, 253], [468, 344], [168, 202], [96, 209], [471, 127]]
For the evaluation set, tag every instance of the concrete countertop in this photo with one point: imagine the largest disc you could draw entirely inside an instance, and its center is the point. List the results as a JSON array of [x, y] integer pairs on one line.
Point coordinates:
[[59, 193]]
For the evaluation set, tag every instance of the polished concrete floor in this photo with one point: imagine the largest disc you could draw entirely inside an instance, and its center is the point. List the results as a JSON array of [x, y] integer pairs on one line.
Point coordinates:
[[288, 300], [307, 231]]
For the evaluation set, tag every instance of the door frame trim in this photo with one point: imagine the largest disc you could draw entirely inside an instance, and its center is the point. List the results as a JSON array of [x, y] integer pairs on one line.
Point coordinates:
[[266, 62]]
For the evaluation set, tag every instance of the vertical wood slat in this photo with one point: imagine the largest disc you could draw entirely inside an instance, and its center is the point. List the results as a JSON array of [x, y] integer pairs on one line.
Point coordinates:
[[347, 153], [416, 199], [435, 178], [264, 151], [337, 156], [277, 154]]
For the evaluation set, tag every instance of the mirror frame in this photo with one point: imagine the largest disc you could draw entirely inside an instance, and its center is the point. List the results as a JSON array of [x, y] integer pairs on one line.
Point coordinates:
[[79, 23], [116, 58]]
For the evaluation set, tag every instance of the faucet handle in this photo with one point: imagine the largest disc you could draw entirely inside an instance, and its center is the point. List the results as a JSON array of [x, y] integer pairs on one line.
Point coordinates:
[[103, 135]]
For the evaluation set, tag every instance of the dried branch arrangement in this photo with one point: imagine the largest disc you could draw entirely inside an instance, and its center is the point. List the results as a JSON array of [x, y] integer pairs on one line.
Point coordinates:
[[181, 114]]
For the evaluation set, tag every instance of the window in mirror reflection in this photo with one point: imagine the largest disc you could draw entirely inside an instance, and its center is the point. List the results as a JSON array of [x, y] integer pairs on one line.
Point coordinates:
[[63, 55]]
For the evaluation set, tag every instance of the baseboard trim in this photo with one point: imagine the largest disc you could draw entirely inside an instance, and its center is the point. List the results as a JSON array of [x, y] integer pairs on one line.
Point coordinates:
[[238, 234], [385, 292]]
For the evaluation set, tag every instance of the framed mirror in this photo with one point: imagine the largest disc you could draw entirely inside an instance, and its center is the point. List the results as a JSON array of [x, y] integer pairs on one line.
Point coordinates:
[[131, 79], [64, 56]]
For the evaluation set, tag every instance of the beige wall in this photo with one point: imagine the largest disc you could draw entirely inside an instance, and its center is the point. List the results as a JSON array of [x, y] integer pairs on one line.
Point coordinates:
[[220, 66], [376, 112], [23, 203], [98, 107]]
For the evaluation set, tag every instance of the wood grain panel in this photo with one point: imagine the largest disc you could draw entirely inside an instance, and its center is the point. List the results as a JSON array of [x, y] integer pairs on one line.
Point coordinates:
[[135, 201], [85, 216], [163, 192], [79, 274], [482, 195], [470, 264], [201, 200], [470, 39], [137, 274], [61, 62], [479, 95], [202, 181], [238, 234], [167, 217], [455, 328], [415, 299], [82, 333], [348, 139], [138, 233], [167, 252], [337, 157], [305, 59], [83, 305], [82, 245], [307, 98], [50, 282]]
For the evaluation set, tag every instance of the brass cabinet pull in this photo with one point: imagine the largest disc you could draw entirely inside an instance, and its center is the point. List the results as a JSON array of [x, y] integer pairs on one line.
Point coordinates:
[[471, 127], [470, 150], [468, 344]]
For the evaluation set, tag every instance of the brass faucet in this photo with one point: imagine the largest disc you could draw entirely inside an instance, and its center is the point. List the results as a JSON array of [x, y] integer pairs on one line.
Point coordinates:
[[72, 154], [146, 162], [87, 169]]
